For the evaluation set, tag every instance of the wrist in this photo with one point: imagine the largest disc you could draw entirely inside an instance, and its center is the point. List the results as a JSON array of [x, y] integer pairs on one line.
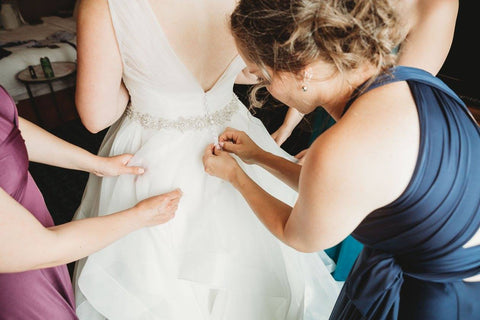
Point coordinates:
[[257, 156], [261, 158], [235, 176], [97, 165], [134, 218]]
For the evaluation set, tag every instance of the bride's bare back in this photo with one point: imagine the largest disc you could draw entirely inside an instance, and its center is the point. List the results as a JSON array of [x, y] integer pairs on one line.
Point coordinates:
[[198, 32]]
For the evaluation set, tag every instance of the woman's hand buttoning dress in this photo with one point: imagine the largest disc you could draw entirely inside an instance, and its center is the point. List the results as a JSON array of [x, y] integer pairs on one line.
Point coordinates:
[[399, 169], [166, 90]]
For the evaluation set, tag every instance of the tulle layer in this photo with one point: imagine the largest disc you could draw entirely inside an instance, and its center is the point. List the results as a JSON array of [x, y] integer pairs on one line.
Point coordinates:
[[214, 260]]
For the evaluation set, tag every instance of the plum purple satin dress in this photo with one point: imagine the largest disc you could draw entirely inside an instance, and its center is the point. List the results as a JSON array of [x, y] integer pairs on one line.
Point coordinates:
[[38, 294]]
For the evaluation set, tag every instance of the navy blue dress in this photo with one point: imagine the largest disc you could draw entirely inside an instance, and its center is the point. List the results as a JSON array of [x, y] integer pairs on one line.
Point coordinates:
[[413, 260]]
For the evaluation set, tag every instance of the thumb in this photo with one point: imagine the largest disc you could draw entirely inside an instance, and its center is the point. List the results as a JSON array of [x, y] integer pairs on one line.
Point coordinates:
[[125, 158], [133, 170], [174, 194], [217, 151], [209, 150], [230, 147]]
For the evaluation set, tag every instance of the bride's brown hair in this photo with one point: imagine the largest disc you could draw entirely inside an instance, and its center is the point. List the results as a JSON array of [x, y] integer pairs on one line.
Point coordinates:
[[288, 35]]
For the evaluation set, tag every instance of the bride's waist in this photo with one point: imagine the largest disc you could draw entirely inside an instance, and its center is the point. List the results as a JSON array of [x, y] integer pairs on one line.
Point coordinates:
[[207, 119]]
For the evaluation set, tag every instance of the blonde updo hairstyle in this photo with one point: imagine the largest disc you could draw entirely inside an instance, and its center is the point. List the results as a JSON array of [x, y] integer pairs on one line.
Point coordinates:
[[286, 36]]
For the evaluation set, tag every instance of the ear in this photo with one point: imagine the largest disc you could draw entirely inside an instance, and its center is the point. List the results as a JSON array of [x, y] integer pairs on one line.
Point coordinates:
[[307, 73]]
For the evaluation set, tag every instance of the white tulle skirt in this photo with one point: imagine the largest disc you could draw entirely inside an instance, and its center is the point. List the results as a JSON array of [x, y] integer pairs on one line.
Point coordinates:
[[214, 260]]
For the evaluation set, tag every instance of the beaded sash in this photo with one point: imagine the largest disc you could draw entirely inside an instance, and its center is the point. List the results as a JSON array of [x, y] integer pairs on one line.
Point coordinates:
[[217, 118]]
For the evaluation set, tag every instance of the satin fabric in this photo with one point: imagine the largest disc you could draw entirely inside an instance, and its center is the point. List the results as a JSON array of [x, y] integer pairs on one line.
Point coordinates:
[[413, 263], [37, 294]]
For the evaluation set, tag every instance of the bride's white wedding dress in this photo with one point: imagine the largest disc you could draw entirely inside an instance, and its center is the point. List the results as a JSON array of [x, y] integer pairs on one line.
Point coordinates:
[[214, 260]]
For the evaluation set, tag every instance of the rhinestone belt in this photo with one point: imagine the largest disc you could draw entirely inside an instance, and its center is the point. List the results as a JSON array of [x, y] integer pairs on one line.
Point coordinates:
[[217, 118]]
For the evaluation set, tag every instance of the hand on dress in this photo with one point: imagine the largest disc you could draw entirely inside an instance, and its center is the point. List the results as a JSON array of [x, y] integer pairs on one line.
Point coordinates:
[[219, 163], [158, 209], [115, 166], [239, 143]]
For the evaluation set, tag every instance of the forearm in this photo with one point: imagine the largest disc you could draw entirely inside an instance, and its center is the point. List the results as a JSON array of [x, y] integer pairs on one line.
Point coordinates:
[[272, 212], [292, 118], [431, 34], [283, 169], [44, 147], [25, 244], [68, 242], [80, 238]]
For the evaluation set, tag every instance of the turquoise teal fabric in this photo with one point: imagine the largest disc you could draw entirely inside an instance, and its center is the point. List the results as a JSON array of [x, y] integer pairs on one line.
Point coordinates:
[[321, 121], [344, 254]]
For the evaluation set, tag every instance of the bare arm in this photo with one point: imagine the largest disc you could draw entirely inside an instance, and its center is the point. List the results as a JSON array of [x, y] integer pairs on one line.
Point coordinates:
[[273, 213], [361, 164], [25, 244], [292, 119], [308, 226], [285, 170], [432, 25], [327, 189], [101, 97], [46, 148]]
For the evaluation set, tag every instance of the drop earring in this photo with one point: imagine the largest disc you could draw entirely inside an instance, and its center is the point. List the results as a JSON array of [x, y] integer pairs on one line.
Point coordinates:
[[306, 78]]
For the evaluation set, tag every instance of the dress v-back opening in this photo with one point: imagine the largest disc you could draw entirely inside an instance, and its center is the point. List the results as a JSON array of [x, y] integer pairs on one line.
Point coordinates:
[[179, 61], [206, 263]]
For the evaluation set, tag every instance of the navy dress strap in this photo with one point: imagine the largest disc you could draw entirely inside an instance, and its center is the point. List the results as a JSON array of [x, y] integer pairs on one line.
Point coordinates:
[[419, 237], [403, 74]]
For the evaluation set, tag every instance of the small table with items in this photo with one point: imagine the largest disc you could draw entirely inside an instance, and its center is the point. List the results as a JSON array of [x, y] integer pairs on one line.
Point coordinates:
[[61, 70]]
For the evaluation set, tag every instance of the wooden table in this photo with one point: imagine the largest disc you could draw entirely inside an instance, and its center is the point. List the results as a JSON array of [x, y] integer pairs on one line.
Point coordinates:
[[61, 69]]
